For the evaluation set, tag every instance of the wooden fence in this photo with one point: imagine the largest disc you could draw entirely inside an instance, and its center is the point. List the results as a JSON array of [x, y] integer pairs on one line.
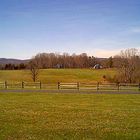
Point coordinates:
[[71, 86]]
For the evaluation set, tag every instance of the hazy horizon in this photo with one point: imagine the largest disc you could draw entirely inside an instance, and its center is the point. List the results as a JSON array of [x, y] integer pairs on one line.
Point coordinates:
[[101, 28]]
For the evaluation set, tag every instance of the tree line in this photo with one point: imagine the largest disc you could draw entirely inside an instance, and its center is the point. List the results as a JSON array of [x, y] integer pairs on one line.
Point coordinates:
[[55, 60], [65, 60], [11, 66]]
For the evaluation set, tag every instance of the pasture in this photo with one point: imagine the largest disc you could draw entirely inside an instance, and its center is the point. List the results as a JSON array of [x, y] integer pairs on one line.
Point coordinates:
[[69, 116], [57, 75]]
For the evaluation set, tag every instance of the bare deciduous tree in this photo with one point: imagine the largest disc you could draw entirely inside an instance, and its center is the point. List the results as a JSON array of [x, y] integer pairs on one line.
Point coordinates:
[[128, 65], [34, 69]]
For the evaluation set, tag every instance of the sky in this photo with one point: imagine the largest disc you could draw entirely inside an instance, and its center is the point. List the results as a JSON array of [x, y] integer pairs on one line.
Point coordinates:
[[97, 27]]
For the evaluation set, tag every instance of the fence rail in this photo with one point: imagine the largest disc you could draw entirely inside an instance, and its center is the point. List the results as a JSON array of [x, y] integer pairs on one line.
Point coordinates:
[[68, 85], [71, 86]]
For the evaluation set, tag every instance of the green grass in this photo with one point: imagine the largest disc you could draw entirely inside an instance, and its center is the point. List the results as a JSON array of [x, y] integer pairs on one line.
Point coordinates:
[[69, 116], [55, 75]]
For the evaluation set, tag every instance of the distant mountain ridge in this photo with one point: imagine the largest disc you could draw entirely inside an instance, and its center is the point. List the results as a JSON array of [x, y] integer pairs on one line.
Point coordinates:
[[13, 61]]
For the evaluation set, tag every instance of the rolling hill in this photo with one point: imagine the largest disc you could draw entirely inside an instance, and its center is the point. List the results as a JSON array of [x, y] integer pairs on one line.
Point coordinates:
[[12, 61]]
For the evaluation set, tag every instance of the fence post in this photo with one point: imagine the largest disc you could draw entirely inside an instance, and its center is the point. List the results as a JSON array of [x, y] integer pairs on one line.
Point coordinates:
[[58, 85], [97, 86], [78, 85], [118, 84], [22, 84], [5, 84], [40, 85]]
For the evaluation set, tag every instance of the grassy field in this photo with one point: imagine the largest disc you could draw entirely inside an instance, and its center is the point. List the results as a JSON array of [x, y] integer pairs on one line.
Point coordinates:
[[55, 75], [69, 116]]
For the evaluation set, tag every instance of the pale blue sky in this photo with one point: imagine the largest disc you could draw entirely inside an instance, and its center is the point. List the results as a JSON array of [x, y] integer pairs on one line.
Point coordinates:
[[98, 27]]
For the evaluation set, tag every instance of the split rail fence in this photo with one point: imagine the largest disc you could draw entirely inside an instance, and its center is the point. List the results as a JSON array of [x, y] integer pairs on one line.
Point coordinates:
[[70, 86]]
